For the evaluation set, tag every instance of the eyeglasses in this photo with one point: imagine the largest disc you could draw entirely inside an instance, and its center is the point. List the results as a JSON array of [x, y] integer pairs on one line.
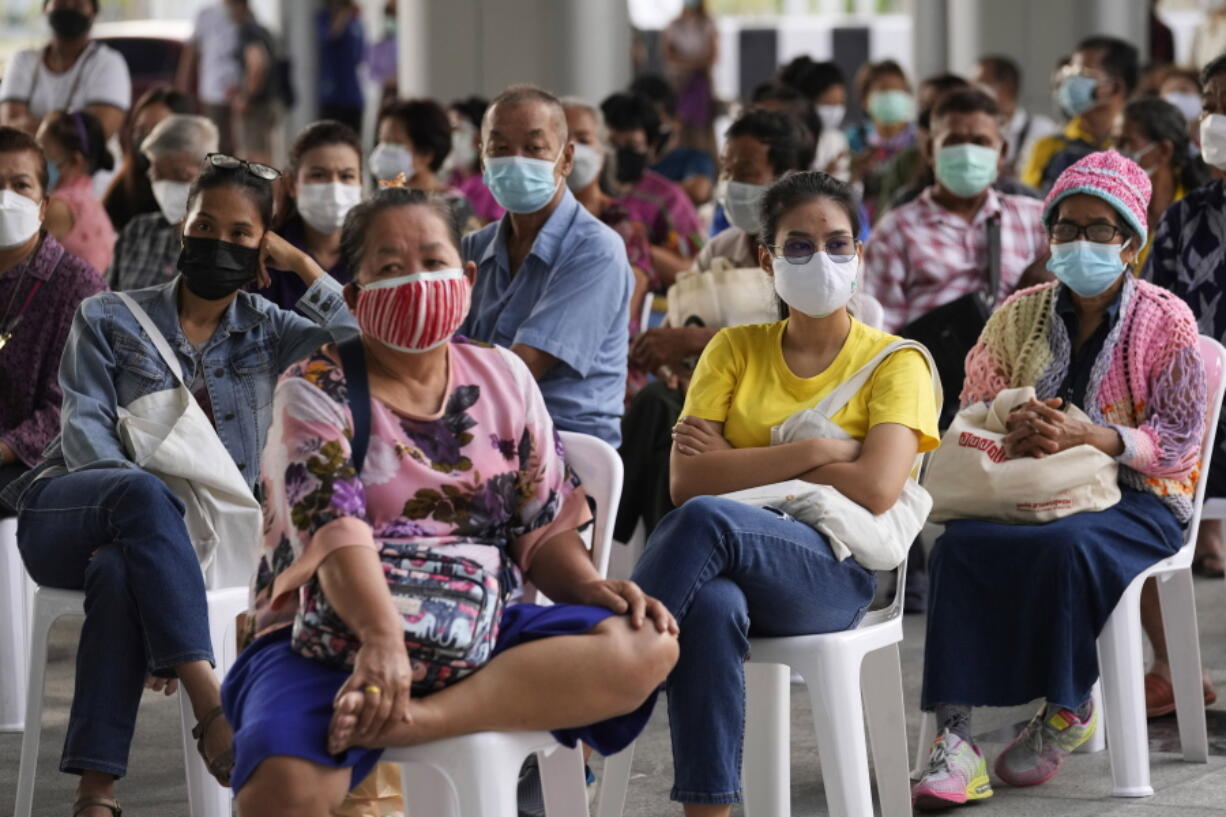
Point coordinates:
[[1063, 231], [800, 250], [227, 162]]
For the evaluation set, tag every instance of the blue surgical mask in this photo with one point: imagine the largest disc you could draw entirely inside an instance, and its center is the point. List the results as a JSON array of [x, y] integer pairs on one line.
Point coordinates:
[[1086, 267], [53, 175], [891, 107], [520, 184], [1076, 94], [966, 170]]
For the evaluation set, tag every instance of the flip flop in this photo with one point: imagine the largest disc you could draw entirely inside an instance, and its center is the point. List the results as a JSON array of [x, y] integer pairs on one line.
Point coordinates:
[[222, 765], [1199, 568], [101, 802], [1160, 696]]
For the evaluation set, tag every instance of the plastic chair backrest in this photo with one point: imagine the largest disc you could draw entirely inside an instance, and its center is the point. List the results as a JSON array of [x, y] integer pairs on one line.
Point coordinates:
[[1214, 355], [600, 469]]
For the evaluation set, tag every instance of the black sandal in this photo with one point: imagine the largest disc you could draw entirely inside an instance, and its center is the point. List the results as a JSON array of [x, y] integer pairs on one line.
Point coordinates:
[[1200, 568], [222, 765], [101, 802]]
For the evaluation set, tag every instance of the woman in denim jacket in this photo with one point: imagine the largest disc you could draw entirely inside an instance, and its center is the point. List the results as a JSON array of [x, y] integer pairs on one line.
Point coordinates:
[[90, 518]]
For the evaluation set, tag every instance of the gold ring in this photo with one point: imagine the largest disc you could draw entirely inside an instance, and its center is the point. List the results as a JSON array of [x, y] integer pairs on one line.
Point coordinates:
[[371, 689]]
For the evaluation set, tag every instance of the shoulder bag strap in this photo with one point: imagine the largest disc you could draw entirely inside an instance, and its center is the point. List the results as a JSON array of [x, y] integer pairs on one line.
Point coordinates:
[[357, 387], [155, 335], [841, 396], [993, 260]]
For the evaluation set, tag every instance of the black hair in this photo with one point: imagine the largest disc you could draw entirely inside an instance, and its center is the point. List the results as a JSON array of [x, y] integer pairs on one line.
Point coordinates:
[[876, 71], [321, 134], [627, 112], [426, 123], [358, 221], [658, 90], [18, 141], [965, 100], [258, 191], [800, 108], [782, 134], [941, 84], [81, 132], [811, 78], [472, 108], [1161, 121], [1004, 70], [1120, 59], [801, 188], [164, 94], [1215, 66]]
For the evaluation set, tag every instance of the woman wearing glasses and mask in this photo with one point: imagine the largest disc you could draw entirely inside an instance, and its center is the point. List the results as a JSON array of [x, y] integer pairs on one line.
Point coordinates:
[[725, 569], [91, 519]]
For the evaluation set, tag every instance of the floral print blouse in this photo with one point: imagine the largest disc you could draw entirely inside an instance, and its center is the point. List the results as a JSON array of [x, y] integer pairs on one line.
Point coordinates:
[[485, 478]]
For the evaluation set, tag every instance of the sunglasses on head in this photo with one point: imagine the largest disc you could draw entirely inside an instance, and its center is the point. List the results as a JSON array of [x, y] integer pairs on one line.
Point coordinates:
[[225, 161]]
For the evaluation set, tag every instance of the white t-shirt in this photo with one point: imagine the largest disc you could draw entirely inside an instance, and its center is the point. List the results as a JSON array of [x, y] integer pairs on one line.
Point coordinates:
[[1018, 150], [98, 77], [216, 39], [833, 154]]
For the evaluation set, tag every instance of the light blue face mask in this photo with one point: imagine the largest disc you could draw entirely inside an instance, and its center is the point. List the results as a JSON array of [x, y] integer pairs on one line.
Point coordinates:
[[1076, 94], [966, 170], [891, 107], [520, 184], [1086, 267], [53, 175]]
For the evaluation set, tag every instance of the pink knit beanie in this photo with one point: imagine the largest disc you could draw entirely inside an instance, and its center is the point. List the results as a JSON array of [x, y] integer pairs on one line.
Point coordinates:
[[1115, 179]]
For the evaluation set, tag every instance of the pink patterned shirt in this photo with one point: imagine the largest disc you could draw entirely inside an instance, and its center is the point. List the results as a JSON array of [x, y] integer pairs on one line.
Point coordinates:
[[922, 256], [92, 238]]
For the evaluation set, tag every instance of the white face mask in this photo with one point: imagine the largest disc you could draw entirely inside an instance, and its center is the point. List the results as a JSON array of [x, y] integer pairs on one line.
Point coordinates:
[[818, 287], [1187, 102], [1213, 140], [588, 162], [388, 160], [19, 219], [741, 204], [832, 116], [462, 154], [323, 206], [171, 197]]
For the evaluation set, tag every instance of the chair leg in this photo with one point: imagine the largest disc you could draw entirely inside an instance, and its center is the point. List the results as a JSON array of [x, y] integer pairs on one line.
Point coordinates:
[[563, 782], [485, 779], [834, 688], [767, 757], [1183, 651], [427, 791], [614, 783], [927, 734], [39, 632], [881, 687], [1121, 664], [14, 631], [1097, 741]]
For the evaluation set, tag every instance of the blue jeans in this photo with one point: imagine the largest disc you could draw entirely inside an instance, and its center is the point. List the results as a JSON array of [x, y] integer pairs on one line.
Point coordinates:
[[118, 534], [728, 571]]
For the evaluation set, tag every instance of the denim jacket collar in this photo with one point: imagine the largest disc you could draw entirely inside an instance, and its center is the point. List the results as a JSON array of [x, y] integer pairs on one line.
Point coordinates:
[[242, 315]]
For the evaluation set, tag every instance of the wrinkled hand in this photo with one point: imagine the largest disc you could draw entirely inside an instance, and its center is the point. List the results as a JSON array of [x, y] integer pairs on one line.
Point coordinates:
[[694, 436], [1038, 429], [167, 686], [627, 598], [384, 664], [662, 346]]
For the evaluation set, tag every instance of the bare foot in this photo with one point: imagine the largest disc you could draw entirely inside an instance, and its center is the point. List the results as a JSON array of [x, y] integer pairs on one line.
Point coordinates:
[[344, 726], [1163, 669]]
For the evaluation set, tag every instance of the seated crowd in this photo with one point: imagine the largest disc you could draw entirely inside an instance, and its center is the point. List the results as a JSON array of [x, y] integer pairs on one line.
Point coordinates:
[[383, 345]]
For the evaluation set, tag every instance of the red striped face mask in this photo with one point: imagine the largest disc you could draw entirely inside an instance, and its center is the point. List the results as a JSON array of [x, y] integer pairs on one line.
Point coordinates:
[[414, 313]]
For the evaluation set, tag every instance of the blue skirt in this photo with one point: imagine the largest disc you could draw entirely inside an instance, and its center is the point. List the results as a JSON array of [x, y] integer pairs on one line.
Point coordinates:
[[1014, 611], [279, 703]]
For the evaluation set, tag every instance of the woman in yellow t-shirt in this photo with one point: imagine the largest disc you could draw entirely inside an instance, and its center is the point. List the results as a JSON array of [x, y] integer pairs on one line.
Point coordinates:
[[727, 570]]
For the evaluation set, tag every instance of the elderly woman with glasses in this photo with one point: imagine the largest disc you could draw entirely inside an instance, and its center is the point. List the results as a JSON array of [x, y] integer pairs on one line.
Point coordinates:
[[1015, 609], [90, 518]]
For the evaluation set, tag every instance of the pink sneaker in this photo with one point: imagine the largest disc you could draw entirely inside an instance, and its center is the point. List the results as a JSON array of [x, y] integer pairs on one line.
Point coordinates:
[[956, 774], [1036, 754]]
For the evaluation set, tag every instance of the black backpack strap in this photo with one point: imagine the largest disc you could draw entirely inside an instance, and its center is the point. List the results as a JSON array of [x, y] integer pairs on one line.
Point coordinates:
[[357, 387], [993, 260]]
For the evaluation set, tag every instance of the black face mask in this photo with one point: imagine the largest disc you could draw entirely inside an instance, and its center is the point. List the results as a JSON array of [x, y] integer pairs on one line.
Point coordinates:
[[631, 165], [69, 24], [213, 269]]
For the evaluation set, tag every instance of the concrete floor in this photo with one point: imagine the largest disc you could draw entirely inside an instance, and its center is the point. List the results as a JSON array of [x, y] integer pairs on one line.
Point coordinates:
[[156, 786]]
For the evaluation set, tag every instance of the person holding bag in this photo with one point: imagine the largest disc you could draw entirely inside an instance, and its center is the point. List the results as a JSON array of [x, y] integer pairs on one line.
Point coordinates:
[[726, 569], [1015, 609], [91, 518], [413, 482]]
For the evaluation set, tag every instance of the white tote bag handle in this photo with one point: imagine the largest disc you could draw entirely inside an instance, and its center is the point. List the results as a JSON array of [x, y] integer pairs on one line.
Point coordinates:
[[155, 335], [834, 402]]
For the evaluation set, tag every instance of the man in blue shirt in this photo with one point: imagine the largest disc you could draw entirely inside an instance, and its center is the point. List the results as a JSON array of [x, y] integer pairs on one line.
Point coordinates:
[[553, 282]]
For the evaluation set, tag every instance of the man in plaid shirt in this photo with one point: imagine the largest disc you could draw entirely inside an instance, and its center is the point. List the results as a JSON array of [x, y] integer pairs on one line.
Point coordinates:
[[935, 249]]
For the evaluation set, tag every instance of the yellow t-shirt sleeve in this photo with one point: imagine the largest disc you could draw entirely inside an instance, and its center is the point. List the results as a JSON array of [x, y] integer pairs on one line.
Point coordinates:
[[901, 392], [714, 381], [1040, 155]]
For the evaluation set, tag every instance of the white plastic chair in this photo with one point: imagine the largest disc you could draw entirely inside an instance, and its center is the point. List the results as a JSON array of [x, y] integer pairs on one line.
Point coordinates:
[[1121, 659], [206, 798], [476, 775], [645, 311], [851, 675], [14, 630]]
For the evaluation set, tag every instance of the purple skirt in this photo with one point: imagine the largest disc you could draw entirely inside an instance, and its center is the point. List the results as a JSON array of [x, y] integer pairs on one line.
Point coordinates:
[[279, 703]]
